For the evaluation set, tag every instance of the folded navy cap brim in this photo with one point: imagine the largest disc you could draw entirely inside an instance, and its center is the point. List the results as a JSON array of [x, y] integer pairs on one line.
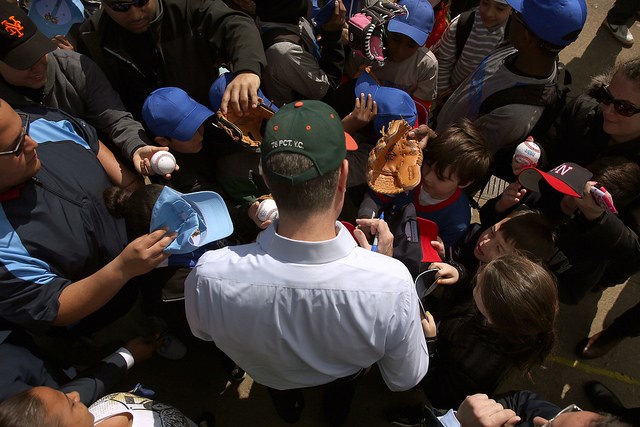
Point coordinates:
[[397, 26], [28, 53], [424, 282]]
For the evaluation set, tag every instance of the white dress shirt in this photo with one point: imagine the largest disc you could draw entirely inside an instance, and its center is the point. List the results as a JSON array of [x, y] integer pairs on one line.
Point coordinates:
[[298, 314]]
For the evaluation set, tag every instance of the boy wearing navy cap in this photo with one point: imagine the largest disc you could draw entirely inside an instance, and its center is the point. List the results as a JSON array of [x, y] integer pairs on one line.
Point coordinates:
[[409, 65]]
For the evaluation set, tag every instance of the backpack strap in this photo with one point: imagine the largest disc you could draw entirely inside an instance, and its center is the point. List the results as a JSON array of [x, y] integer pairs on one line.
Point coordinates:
[[465, 24], [540, 94], [278, 35]]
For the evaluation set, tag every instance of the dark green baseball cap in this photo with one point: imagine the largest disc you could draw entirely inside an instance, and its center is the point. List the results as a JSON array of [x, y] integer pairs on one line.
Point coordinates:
[[311, 128]]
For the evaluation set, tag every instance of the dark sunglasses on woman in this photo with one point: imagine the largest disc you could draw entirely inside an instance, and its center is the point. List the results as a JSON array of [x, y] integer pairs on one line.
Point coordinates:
[[624, 108], [17, 149]]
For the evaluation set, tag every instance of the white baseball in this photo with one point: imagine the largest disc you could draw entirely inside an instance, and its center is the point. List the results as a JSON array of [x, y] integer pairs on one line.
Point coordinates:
[[527, 154], [267, 210], [163, 162]]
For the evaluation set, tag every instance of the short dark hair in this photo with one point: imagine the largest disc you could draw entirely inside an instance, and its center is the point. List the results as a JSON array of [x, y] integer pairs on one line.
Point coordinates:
[[24, 410], [461, 147], [307, 197], [521, 299], [136, 208], [620, 176], [530, 233]]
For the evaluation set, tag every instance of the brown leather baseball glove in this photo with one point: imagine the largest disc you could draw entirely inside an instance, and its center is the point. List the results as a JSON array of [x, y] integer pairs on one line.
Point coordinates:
[[395, 161], [247, 130]]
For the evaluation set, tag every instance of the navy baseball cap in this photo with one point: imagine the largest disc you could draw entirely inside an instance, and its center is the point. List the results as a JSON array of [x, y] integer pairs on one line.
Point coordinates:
[[170, 112], [393, 104], [417, 24], [557, 22], [198, 218]]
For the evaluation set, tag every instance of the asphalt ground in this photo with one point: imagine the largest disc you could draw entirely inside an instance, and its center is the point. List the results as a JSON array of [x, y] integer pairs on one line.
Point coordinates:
[[198, 383]]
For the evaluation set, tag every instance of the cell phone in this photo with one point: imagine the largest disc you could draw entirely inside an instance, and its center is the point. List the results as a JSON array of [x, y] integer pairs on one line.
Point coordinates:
[[603, 199]]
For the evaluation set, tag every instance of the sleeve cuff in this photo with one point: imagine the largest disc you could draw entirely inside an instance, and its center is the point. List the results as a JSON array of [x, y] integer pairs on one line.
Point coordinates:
[[449, 419], [126, 355]]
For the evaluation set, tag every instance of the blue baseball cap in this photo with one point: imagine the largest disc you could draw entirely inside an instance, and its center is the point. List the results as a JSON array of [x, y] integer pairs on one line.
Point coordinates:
[[216, 91], [55, 17], [557, 22], [170, 112], [393, 103], [417, 24], [198, 218]]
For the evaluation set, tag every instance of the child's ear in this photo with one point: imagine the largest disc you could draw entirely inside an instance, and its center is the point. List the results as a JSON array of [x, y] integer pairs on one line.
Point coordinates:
[[161, 140], [468, 183]]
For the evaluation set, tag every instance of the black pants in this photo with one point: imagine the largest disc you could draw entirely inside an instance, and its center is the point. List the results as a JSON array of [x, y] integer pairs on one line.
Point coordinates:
[[622, 11], [337, 397], [628, 323]]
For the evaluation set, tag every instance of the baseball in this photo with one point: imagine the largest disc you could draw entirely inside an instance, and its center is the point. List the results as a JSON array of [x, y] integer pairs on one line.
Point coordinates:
[[163, 162], [267, 210], [527, 154]]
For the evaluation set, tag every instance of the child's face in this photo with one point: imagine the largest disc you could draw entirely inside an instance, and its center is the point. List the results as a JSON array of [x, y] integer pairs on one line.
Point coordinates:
[[491, 244], [400, 47], [493, 13], [439, 186], [192, 146]]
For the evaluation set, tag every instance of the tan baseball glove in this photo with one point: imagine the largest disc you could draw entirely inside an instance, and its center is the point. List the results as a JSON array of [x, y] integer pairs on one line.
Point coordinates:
[[395, 161], [247, 130]]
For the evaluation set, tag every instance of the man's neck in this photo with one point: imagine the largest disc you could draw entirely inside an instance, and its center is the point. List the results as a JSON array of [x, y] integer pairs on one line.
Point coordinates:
[[532, 65], [316, 228]]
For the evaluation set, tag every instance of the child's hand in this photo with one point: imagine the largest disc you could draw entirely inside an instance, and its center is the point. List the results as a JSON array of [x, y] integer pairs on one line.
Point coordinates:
[[337, 19], [365, 110], [422, 134], [429, 326], [511, 196], [447, 274], [588, 205], [438, 245], [253, 214]]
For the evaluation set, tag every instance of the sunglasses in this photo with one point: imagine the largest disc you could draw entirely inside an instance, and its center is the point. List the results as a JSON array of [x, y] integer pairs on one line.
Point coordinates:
[[624, 108], [124, 6], [571, 408], [25, 131]]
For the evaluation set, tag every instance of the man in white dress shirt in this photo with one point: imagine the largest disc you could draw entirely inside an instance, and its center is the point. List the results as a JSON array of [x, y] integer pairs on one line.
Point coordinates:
[[305, 305]]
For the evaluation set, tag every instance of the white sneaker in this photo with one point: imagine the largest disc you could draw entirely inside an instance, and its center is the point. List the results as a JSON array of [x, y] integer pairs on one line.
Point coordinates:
[[620, 32]]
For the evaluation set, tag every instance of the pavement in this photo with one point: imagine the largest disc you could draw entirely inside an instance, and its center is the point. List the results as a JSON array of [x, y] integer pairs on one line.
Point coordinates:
[[198, 383]]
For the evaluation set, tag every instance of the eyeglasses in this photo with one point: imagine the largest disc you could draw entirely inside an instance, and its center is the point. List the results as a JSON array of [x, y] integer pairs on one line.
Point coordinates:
[[124, 6], [624, 108], [571, 408], [25, 131]]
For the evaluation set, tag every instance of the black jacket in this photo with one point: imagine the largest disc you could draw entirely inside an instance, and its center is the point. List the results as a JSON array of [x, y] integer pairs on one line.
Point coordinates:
[[190, 39]]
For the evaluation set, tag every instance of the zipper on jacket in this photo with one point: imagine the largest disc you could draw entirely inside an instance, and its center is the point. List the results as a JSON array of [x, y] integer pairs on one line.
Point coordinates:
[[125, 60], [55, 192]]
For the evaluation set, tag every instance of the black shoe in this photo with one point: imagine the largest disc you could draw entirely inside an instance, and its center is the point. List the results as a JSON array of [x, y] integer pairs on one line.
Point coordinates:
[[598, 345], [406, 416], [237, 374], [602, 398]]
